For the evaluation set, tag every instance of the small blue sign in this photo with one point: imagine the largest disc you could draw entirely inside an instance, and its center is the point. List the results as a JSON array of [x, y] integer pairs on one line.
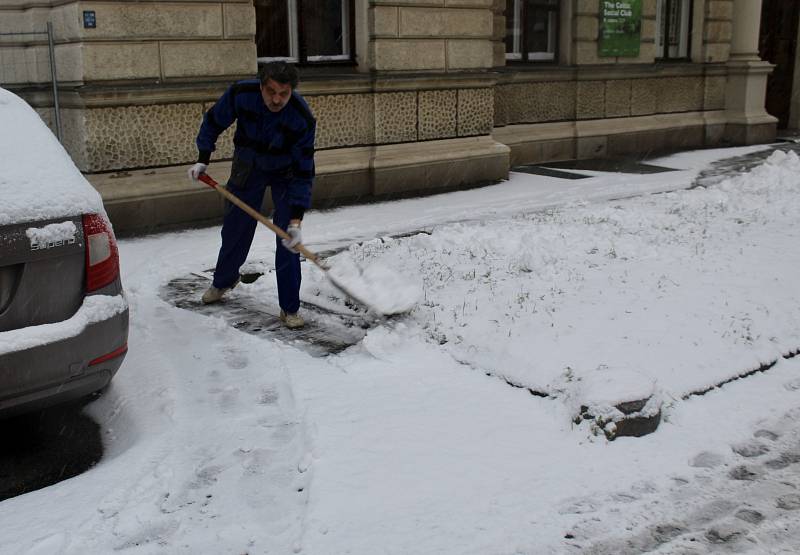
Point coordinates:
[[89, 20]]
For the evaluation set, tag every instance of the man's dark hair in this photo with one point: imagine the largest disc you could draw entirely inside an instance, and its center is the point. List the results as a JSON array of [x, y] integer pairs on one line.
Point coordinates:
[[278, 71]]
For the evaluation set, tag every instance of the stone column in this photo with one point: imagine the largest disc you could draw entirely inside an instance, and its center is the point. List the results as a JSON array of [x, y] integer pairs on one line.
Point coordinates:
[[746, 21], [747, 120]]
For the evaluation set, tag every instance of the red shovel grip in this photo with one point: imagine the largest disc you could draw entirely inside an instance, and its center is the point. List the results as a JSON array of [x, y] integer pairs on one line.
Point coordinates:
[[208, 180]]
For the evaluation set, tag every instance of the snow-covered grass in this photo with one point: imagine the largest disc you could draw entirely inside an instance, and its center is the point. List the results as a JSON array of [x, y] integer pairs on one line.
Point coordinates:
[[412, 441]]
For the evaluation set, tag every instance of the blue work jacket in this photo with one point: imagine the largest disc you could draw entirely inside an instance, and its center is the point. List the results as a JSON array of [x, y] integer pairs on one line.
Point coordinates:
[[280, 144]]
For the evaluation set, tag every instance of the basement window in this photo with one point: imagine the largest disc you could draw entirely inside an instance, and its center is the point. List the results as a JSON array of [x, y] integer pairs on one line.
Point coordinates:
[[306, 32], [673, 28], [532, 30]]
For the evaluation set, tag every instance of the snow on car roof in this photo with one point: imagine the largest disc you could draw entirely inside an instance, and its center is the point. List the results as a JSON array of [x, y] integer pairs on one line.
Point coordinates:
[[38, 179]]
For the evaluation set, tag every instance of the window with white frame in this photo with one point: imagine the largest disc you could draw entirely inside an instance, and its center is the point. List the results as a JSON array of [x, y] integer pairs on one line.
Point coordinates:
[[304, 31], [673, 23], [532, 30]]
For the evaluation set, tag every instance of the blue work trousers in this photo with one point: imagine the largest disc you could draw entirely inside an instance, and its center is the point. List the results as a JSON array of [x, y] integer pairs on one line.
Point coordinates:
[[238, 229]]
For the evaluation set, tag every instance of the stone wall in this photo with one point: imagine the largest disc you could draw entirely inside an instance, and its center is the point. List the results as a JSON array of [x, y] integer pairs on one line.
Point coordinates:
[[434, 35], [131, 41], [567, 96], [145, 134]]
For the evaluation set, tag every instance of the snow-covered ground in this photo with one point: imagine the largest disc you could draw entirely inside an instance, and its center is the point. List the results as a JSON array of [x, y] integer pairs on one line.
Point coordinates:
[[590, 291]]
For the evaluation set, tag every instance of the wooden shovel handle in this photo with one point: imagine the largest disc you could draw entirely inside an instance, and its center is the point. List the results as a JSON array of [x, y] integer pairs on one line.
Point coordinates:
[[208, 180]]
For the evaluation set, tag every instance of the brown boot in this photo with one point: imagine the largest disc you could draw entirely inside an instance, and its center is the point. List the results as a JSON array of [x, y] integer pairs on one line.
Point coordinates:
[[292, 321], [214, 294]]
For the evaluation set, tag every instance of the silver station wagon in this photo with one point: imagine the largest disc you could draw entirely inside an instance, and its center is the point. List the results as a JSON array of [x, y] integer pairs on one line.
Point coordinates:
[[63, 315]]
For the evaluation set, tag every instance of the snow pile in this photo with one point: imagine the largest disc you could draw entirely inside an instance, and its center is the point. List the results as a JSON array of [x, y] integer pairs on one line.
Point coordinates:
[[95, 308], [38, 180], [381, 288], [683, 290]]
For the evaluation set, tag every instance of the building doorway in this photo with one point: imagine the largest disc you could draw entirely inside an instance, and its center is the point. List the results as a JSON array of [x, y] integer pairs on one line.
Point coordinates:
[[777, 45]]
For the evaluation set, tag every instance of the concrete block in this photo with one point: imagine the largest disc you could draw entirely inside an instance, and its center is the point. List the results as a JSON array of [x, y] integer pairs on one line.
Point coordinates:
[[437, 113], [541, 102], [239, 21], [588, 148], [644, 96], [19, 64], [680, 94], [395, 117], [716, 53], [499, 28], [647, 54], [718, 31], [407, 54], [120, 60], [334, 189], [449, 22], [526, 153], [715, 135], [586, 54], [559, 150], [500, 106], [648, 32], [208, 58], [714, 94], [439, 166], [343, 119], [587, 7], [586, 28], [475, 111], [128, 20], [384, 21], [15, 22], [498, 54], [618, 98], [67, 22], [591, 99], [469, 54], [719, 9], [642, 142], [743, 134]]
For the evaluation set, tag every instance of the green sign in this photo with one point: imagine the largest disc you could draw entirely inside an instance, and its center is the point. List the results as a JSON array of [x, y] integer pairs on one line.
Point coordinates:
[[620, 27]]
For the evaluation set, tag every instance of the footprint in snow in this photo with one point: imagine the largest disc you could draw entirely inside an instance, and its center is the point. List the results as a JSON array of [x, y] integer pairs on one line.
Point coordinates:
[[783, 460], [792, 385], [744, 473], [766, 434], [750, 516], [268, 396], [707, 459], [235, 359], [228, 398], [789, 502], [750, 449]]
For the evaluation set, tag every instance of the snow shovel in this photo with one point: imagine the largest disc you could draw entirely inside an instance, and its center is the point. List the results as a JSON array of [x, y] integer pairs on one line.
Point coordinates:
[[382, 298]]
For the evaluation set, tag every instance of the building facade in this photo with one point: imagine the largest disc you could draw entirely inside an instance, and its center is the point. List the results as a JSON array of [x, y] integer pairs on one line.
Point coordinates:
[[411, 96]]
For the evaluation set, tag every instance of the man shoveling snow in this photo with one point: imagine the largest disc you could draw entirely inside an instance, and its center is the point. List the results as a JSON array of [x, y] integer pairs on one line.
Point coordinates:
[[274, 145]]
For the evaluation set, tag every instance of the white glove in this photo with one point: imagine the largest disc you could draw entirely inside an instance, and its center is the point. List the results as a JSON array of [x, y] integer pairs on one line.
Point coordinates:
[[197, 170], [297, 237]]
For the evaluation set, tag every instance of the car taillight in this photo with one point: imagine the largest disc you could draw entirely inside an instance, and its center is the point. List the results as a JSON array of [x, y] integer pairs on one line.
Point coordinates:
[[102, 256]]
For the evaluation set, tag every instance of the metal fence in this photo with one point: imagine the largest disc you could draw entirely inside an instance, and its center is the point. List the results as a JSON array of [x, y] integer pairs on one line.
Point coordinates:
[[48, 33]]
